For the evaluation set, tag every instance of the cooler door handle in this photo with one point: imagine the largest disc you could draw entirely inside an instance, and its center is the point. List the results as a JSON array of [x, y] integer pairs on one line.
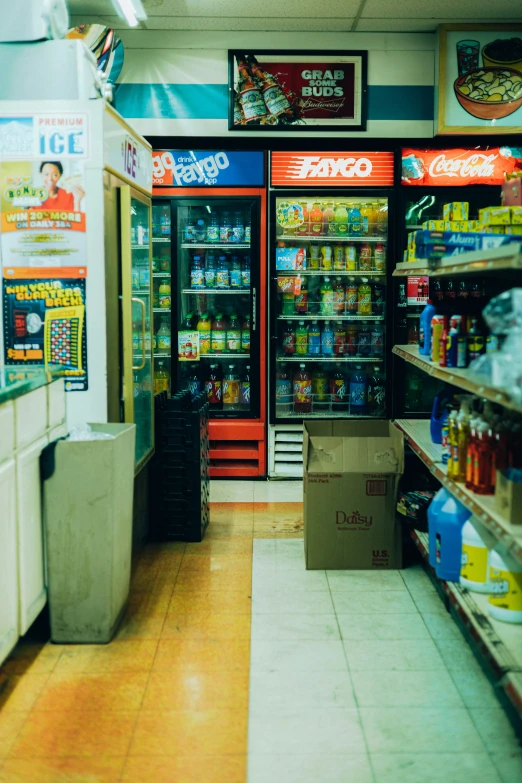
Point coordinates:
[[143, 318], [254, 309]]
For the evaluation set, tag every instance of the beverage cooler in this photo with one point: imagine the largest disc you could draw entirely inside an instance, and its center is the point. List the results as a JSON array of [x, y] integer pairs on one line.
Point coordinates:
[[209, 274], [329, 261]]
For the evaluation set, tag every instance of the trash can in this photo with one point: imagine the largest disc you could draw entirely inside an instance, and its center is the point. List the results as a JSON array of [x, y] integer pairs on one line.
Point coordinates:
[[87, 492]]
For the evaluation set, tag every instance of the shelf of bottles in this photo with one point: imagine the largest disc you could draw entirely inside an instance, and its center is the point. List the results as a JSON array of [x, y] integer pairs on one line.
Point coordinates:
[[330, 284], [214, 242], [161, 296]]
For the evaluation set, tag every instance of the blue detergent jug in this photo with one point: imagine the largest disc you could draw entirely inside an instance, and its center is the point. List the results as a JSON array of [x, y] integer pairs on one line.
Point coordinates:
[[433, 511], [448, 539], [440, 412]]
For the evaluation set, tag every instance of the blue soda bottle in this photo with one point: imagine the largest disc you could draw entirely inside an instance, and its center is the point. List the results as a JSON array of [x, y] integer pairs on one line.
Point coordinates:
[[197, 273], [222, 273], [210, 271], [225, 228], [245, 272], [213, 228], [200, 230], [238, 229], [314, 340], [355, 224], [327, 339], [358, 392], [235, 272]]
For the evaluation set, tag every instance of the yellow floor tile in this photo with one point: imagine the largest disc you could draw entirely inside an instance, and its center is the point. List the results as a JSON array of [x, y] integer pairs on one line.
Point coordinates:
[[219, 601], [153, 602], [202, 655], [191, 581], [62, 770], [19, 692], [215, 543], [93, 691], [78, 733], [206, 625], [268, 533], [10, 726], [32, 658], [231, 512], [215, 563], [140, 626], [185, 769], [115, 657], [190, 733], [278, 517], [198, 690]]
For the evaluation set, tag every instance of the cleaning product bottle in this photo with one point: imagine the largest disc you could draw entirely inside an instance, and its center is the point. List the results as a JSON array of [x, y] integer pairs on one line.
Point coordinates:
[[425, 328], [453, 442], [460, 455], [472, 448], [505, 587], [474, 569], [439, 412], [448, 539], [484, 459], [433, 511]]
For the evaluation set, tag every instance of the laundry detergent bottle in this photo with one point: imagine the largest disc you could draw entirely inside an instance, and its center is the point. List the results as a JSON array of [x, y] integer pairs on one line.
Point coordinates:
[[433, 511], [448, 539], [474, 569]]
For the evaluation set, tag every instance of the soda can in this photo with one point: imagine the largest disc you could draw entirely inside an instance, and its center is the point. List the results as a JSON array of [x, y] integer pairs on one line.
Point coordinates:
[[365, 341]]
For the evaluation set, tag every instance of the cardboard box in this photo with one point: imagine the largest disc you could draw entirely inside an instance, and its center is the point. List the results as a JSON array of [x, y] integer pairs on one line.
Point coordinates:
[[351, 473], [495, 216], [515, 230], [508, 495], [512, 192], [516, 216], [434, 225], [456, 210]]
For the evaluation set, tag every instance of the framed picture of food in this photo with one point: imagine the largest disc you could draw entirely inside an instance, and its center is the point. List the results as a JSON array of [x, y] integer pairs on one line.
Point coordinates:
[[479, 79]]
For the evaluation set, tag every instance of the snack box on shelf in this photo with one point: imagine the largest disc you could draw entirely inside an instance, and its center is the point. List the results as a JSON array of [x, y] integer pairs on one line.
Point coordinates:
[[290, 258], [495, 216], [456, 210], [437, 244]]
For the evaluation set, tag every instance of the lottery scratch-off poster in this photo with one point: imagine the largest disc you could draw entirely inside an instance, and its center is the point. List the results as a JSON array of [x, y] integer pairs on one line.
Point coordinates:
[[44, 320]]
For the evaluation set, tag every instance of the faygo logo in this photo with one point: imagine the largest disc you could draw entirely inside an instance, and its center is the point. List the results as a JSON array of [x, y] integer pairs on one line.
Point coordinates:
[[355, 519], [316, 166], [187, 170]]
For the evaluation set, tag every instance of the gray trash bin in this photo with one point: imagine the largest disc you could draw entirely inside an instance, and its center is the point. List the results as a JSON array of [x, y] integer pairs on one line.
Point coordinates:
[[88, 492]]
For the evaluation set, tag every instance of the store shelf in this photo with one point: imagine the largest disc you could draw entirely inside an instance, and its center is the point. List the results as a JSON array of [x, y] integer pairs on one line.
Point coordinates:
[[224, 356], [327, 414], [345, 359], [328, 273], [216, 246], [497, 644], [417, 433], [161, 309], [412, 228], [161, 274], [162, 355], [319, 317], [332, 240], [141, 291], [220, 291], [140, 247], [163, 240], [500, 259], [461, 378]]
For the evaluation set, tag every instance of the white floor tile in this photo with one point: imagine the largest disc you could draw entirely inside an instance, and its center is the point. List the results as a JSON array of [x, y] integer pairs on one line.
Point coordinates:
[[475, 689], [295, 602], [403, 655], [458, 655], [231, 491], [392, 729], [302, 655], [395, 602], [495, 729], [278, 491], [306, 731], [405, 689], [433, 768], [382, 626], [295, 627], [429, 603], [294, 579], [308, 768], [300, 689], [417, 581], [369, 581], [442, 626], [509, 766]]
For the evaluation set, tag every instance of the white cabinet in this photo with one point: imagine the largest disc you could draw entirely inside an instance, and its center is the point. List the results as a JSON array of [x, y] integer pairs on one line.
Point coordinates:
[[9, 623], [31, 581]]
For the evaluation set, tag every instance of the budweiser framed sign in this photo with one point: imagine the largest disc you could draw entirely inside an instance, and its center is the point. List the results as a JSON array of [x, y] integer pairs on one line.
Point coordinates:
[[331, 169], [456, 167], [295, 90]]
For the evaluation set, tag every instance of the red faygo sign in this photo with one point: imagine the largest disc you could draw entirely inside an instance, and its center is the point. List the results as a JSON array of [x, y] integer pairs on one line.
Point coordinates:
[[332, 169], [459, 166]]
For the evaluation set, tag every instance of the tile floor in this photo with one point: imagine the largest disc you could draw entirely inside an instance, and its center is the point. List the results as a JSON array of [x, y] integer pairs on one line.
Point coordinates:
[[234, 663]]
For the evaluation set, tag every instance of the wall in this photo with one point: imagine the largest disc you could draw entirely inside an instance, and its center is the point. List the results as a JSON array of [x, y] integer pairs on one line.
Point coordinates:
[[175, 83]]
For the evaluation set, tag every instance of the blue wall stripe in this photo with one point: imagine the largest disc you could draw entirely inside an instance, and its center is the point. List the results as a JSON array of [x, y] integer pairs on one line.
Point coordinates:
[[209, 101]]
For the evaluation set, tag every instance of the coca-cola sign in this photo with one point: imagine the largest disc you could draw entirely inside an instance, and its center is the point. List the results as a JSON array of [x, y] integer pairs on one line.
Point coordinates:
[[459, 166], [331, 168]]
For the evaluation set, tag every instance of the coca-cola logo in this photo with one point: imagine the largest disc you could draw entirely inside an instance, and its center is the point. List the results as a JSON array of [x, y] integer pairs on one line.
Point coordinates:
[[317, 166], [187, 170], [355, 518], [476, 165]]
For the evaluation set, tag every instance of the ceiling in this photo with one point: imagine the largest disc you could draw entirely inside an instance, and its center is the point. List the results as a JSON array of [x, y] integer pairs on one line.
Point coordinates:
[[302, 15]]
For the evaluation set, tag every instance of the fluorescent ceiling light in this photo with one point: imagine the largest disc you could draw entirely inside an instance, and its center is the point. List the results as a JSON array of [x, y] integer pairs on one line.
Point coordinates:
[[131, 10]]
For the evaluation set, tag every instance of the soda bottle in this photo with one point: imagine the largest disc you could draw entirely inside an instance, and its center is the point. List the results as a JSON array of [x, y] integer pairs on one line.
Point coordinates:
[[364, 298], [450, 292], [161, 379], [413, 331], [302, 390], [238, 228], [288, 303], [283, 391], [351, 339], [382, 220], [378, 298], [365, 340], [164, 294], [379, 257], [200, 229], [341, 220], [248, 231], [327, 339], [339, 339], [222, 273], [289, 339], [443, 344], [225, 228], [339, 263], [352, 293], [197, 273], [213, 228], [301, 300], [245, 272], [365, 257], [339, 299], [329, 220], [351, 257], [456, 350], [204, 328], [189, 234], [338, 390], [316, 220], [244, 391], [327, 297], [326, 257], [193, 380], [218, 335], [403, 299], [231, 385], [376, 341], [315, 257], [233, 339], [319, 390], [301, 339], [245, 335], [438, 291], [354, 221], [214, 388], [314, 340], [376, 394], [314, 296], [366, 218], [235, 272], [163, 337], [210, 270], [304, 229], [358, 392]]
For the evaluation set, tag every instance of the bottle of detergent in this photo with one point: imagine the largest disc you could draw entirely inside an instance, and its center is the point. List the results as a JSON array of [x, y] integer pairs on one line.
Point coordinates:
[[433, 512], [425, 329], [440, 412], [505, 587], [474, 568], [448, 539]]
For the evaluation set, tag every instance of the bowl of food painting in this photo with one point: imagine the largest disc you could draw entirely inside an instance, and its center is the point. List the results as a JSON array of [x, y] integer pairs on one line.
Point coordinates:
[[490, 93]]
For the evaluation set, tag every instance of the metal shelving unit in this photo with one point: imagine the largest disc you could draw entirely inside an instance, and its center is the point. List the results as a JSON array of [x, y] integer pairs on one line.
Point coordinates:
[[319, 317], [332, 240], [215, 246], [306, 358], [329, 273], [161, 239], [500, 259], [211, 291]]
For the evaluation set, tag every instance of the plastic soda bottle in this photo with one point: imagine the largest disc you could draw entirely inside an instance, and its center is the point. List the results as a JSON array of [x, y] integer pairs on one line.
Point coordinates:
[[235, 272], [316, 220], [245, 335], [339, 340], [283, 391], [197, 273], [302, 390], [339, 262], [210, 270], [315, 257], [376, 394], [352, 293], [161, 378], [319, 389], [326, 258], [329, 220], [366, 217], [376, 341], [341, 220], [194, 381], [222, 273], [327, 297], [327, 339], [301, 339], [351, 339], [301, 300], [233, 335], [204, 328], [338, 390], [214, 388], [364, 298], [358, 392], [351, 257], [355, 224], [304, 229], [238, 228], [379, 258], [225, 228], [314, 339], [244, 391], [245, 272], [231, 385], [365, 257], [338, 296], [218, 336], [289, 339], [213, 228]]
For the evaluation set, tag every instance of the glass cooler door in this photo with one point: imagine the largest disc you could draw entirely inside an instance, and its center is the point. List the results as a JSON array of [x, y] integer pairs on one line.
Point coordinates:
[[329, 293]]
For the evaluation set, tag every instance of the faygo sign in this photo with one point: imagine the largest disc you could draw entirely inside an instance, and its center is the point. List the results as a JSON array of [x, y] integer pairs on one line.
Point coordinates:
[[332, 168]]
